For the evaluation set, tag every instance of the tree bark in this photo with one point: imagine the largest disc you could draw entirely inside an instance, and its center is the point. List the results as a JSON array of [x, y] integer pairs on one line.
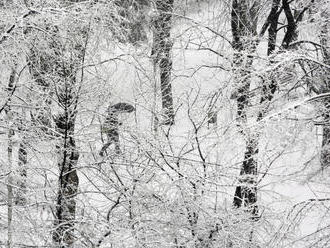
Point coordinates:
[[246, 193], [291, 33], [22, 162], [269, 87], [68, 183], [325, 149], [243, 25], [161, 51]]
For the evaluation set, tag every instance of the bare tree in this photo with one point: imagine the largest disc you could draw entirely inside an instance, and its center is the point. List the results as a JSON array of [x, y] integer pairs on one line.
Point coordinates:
[[55, 70], [67, 94], [244, 22]]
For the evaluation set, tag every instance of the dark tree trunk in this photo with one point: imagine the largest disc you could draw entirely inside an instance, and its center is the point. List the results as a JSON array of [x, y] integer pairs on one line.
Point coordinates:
[[243, 23], [246, 192], [22, 162], [269, 86], [162, 47], [63, 234], [273, 23], [325, 150], [291, 33]]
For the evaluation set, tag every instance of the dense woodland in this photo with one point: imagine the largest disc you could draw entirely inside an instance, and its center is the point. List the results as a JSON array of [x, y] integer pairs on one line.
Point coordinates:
[[165, 123]]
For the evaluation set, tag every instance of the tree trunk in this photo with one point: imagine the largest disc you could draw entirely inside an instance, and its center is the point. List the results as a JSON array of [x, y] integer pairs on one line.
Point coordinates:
[[269, 87], [68, 183], [273, 23], [20, 198], [68, 90], [10, 191], [325, 149], [246, 192], [291, 33], [162, 47], [67, 97], [243, 23], [10, 195]]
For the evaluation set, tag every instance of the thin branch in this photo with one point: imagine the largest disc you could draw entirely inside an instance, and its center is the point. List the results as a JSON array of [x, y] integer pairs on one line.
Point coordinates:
[[6, 34]]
